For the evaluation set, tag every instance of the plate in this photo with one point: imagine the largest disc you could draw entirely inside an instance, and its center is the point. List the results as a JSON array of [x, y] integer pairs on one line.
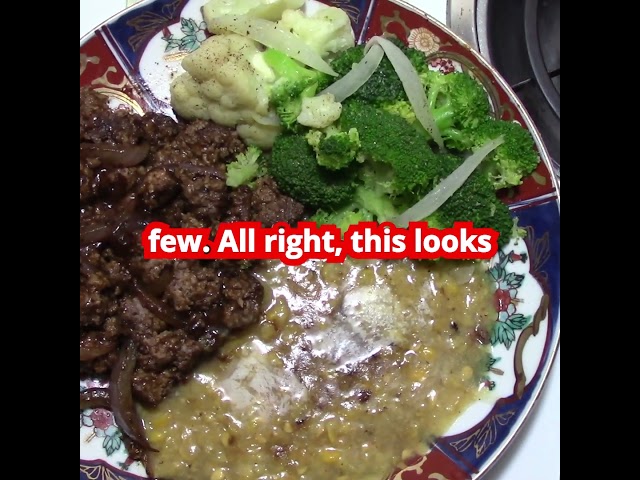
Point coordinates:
[[131, 59]]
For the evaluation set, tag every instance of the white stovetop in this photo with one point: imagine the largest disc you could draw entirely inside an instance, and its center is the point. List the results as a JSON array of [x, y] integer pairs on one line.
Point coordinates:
[[535, 454]]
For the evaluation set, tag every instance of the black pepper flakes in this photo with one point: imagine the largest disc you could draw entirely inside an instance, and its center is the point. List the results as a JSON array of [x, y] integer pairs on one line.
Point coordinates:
[[363, 395], [279, 451]]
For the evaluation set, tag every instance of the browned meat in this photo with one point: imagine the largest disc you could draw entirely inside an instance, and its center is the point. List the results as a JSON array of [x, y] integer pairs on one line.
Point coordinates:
[[175, 312], [242, 295], [265, 204], [201, 143], [269, 206]]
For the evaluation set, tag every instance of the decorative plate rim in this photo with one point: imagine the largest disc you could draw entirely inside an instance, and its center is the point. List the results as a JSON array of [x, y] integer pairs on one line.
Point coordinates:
[[545, 366]]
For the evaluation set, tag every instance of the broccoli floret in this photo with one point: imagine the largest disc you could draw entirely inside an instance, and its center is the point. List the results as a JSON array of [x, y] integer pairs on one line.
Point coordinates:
[[334, 149], [384, 86], [402, 147], [398, 167], [381, 206], [515, 159], [517, 231], [293, 166], [246, 168], [293, 83], [368, 206], [343, 218], [458, 103], [476, 202]]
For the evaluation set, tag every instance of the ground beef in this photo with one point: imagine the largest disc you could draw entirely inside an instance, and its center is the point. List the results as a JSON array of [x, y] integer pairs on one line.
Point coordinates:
[[175, 312], [264, 203]]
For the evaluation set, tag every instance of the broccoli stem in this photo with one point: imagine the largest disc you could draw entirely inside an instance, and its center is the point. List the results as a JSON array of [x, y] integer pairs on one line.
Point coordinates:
[[284, 66], [457, 136], [443, 116]]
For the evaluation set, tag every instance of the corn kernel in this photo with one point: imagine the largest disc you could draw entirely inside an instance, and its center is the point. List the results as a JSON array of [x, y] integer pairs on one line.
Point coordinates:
[[267, 331], [429, 355], [333, 273], [366, 277], [407, 453], [451, 288], [466, 373], [217, 475], [161, 421], [330, 455], [331, 432], [418, 374], [422, 448], [279, 314], [155, 436]]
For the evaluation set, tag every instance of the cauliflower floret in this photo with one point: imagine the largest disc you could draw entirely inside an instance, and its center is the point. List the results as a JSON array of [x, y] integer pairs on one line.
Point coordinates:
[[327, 31], [225, 81], [319, 111], [267, 9]]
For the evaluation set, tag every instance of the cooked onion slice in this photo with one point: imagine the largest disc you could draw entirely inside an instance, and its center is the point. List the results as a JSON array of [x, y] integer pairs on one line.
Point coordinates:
[[121, 396], [270, 120], [447, 187], [157, 307], [357, 76], [412, 86], [115, 155], [271, 35], [92, 348]]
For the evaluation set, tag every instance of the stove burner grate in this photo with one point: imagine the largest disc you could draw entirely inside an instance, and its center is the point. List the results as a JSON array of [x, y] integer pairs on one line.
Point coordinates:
[[538, 65]]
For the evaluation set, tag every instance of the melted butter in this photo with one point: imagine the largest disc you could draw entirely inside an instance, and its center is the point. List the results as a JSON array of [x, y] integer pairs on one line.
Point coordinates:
[[354, 368]]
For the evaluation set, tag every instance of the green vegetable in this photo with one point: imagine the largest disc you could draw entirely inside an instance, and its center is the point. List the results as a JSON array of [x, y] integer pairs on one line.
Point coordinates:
[[512, 161], [369, 205], [458, 103], [396, 162], [294, 167], [334, 149], [293, 82], [246, 168], [457, 99], [342, 218], [384, 86], [402, 147], [476, 202]]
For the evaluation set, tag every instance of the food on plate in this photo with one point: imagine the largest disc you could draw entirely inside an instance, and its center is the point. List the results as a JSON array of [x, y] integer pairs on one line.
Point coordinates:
[[133, 170], [231, 79], [432, 123], [327, 31], [267, 9], [253, 369], [354, 368], [222, 82], [394, 171]]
